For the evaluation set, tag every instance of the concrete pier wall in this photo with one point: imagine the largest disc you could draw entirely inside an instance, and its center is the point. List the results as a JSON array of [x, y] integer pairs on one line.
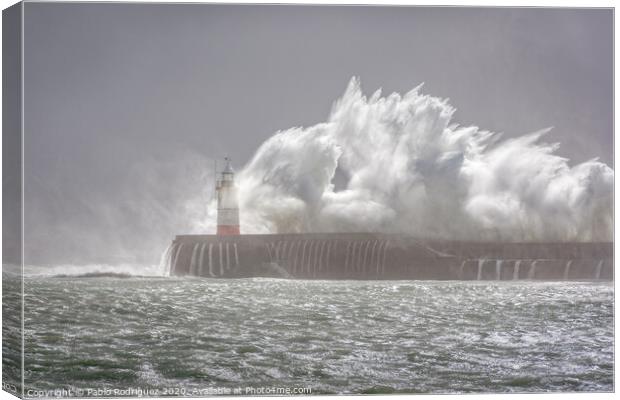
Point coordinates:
[[383, 256]]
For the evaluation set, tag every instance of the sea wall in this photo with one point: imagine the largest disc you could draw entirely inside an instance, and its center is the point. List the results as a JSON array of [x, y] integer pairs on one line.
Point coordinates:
[[383, 256]]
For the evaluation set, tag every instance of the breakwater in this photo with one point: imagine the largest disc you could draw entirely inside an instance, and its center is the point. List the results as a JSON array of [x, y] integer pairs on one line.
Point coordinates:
[[384, 256]]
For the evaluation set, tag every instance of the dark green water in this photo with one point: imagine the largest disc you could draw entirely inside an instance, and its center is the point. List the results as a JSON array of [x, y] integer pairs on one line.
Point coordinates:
[[333, 337]]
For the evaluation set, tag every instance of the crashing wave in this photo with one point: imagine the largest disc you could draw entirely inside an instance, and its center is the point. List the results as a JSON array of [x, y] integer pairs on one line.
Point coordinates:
[[408, 168]]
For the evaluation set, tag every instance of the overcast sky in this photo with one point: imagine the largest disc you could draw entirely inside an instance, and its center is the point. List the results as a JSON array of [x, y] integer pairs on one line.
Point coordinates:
[[113, 88]]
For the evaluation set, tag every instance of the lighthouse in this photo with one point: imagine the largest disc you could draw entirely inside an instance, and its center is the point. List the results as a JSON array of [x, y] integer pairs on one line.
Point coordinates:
[[227, 203]]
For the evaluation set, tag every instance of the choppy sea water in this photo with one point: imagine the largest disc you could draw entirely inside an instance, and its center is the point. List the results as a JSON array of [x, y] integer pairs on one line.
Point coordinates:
[[196, 334]]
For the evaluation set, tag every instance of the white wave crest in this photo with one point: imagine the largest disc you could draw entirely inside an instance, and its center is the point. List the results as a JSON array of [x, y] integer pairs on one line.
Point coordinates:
[[408, 168], [94, 270]]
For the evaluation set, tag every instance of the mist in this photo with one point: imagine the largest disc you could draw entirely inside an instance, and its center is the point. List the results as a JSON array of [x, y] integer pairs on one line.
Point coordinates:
[[153, 200]]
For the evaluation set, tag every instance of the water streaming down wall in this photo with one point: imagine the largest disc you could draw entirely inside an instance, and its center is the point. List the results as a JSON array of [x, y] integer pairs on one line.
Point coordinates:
[[384, 256]]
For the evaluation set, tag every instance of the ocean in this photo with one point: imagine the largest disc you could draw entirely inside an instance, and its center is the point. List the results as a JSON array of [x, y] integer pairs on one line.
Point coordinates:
[[115, 335]]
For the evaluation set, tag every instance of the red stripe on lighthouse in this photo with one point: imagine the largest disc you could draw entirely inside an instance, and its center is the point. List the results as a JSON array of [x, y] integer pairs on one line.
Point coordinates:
[[227, 230]]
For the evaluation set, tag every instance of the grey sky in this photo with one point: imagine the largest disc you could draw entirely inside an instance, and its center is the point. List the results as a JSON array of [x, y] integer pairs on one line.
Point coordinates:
[[113, 87]]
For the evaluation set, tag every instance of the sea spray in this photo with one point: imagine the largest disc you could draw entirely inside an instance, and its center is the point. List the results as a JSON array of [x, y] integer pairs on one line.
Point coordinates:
[[409, 168], [162, 269], [94, 270]]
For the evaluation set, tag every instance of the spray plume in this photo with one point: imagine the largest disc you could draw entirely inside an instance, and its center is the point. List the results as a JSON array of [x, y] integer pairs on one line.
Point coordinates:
[[409, 169]]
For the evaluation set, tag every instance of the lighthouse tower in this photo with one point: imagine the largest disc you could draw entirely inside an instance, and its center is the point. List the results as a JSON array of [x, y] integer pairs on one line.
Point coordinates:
[[227, 203]]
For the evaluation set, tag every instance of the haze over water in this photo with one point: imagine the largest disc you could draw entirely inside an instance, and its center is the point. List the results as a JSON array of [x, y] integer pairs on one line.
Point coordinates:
[[330, 336]]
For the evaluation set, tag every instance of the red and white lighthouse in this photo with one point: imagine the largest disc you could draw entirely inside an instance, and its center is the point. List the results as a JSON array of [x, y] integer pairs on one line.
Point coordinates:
[[227, 202]]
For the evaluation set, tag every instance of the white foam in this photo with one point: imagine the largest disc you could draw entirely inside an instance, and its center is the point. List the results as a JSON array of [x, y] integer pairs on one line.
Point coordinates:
[[79, 270], [409, 168]]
